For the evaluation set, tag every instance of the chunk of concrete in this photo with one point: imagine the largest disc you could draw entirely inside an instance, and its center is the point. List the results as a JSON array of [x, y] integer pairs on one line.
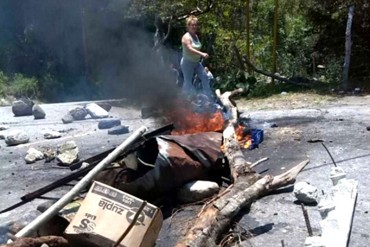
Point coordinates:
[[50, 134], [16, 137], [197, 190], [95, 111], [68, 153], [337, 209], [306, 193], [33, 155]]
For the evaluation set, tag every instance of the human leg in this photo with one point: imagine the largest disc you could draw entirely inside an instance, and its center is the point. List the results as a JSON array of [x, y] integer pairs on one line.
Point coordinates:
[[206, 87], [187, 68]]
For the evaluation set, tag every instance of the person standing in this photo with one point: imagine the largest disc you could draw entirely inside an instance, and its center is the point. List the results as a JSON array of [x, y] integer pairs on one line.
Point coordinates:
[[190, 61]]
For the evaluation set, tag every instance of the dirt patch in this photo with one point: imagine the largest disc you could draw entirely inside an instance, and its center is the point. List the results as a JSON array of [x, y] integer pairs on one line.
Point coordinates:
[[300, 100]]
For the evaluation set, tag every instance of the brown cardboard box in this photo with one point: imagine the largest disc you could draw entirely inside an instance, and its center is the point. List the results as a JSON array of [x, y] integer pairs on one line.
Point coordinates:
[[106, 213]]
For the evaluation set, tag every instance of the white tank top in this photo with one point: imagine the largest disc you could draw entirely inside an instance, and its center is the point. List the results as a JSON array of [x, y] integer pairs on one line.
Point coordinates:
[[186, 54]]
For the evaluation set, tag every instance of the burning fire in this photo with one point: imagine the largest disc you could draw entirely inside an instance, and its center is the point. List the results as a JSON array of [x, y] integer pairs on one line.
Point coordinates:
[[188, 121], [243, 136], [194, 122]]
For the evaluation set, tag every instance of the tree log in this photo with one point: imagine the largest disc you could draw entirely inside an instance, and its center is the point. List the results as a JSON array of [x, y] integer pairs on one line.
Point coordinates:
[[245, 60], [247, 187]]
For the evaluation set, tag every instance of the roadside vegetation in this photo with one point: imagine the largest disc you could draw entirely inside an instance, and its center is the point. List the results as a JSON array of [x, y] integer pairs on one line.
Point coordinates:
[[61, 51]]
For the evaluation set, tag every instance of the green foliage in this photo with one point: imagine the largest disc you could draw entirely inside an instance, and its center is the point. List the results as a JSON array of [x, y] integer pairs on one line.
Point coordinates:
[[239, 79], [24, 86], [50, 88], [3, 83], [332, 73], [90, 43], [18, 85], [263, 89]]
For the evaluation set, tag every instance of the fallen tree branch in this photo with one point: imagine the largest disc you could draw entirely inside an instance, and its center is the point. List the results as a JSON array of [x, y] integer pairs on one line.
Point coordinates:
[[246, 60], [258, 162], [247, 187]]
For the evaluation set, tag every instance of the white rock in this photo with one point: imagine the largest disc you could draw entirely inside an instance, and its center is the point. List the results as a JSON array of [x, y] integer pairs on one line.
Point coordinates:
[[306, 193], [68, 153], [197, 190], [33, 155], [50, 134], [96, 111], [16, 137]]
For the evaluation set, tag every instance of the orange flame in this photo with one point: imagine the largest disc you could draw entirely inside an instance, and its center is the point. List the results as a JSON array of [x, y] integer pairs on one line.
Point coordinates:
[[187, 121], [245, 140], [192, 122]]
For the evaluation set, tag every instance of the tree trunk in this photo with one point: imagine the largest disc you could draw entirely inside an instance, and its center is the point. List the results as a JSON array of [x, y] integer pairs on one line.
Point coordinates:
[[247, 186], [347, 57], [274, 44]]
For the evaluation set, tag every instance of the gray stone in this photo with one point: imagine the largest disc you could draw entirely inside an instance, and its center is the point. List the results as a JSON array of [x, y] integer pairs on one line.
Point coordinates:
[[105, 105], [109, 123], [38, 112], [67, 118], [118, 130], [78, 112], [16, 137], [49, 155], [22, 107]]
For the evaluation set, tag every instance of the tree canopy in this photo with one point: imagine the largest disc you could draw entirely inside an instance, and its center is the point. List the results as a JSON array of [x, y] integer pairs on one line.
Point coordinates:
[[61, 50]]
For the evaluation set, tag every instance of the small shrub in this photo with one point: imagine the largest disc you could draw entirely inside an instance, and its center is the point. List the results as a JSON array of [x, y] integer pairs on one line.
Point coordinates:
[[24, 86], [3, 84]]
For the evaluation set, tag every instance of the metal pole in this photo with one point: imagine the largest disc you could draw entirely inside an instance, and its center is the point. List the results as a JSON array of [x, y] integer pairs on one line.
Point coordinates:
[[84, 182]]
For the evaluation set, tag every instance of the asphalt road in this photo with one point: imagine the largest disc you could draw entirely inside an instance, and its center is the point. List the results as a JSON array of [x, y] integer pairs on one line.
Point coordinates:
[[278, 217], [18, 178], [270, 219]]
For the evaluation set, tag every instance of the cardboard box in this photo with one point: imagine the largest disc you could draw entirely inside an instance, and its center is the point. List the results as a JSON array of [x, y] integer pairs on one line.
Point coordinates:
[[106, 213]]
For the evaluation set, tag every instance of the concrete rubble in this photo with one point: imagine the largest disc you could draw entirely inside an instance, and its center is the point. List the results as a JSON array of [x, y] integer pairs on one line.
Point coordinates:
[[336, 209], [16, 137], [68, 153], [339, 202], [306, 193], [33, 155], [197, 191]]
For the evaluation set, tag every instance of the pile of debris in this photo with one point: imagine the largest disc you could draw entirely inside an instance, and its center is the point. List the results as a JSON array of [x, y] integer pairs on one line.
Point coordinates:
[[127, 184]]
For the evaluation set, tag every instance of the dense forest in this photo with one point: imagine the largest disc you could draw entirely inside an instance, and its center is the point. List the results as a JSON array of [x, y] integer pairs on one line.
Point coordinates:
[[90, 49]]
